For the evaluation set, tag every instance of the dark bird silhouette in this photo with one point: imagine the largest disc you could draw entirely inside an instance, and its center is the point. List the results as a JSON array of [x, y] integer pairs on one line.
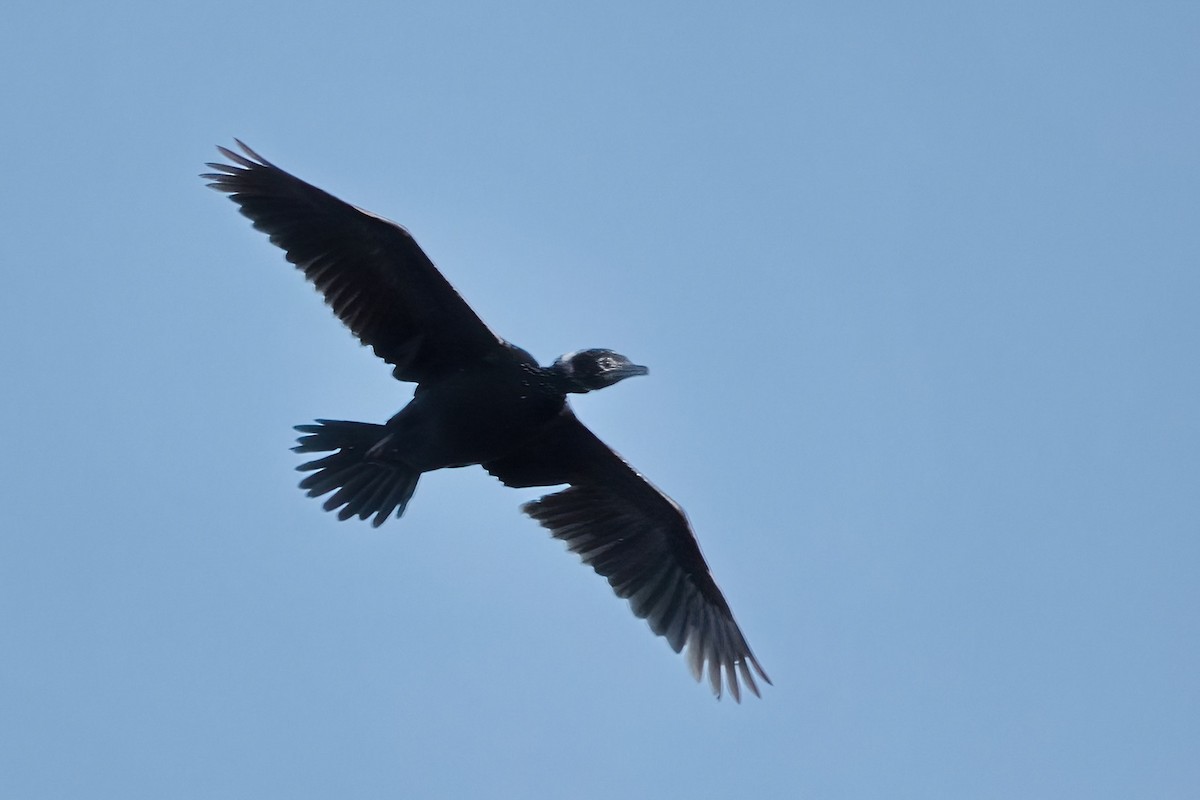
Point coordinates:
[[480, 400]]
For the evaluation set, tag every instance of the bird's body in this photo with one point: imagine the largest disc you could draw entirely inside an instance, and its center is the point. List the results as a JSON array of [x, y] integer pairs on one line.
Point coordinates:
[[480, 400], [475, 415]]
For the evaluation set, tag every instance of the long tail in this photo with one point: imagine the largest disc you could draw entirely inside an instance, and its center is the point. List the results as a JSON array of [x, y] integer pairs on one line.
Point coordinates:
[[364, 486]]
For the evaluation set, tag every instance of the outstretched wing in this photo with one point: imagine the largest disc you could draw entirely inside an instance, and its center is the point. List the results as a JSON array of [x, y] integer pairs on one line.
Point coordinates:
[[637, 538], [371, 271]]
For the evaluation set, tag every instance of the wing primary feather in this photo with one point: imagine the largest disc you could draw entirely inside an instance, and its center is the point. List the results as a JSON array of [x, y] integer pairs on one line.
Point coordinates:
[[327, 480], [677, 633], [372, 501], [349, 489], [667, 606], [747, 676], [644, 600], [361, 498], [695, 652], [320, 463], [396, 499]]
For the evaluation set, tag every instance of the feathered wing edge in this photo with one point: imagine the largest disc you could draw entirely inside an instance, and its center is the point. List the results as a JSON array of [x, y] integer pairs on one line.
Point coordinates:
[[633, 553], [370, 270]]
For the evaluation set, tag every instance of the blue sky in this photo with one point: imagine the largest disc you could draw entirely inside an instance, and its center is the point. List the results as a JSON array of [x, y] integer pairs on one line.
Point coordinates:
[[918, 286]]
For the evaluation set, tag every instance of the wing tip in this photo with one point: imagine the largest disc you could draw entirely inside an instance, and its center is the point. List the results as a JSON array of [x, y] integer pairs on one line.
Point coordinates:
[[726, 657], [224, 177]]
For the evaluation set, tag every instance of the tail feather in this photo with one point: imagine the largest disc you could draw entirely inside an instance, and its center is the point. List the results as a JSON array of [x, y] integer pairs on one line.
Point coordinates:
[[364, 486]]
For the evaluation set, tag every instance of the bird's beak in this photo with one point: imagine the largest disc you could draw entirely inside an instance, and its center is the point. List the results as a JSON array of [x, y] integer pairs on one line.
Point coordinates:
[[630, 371]]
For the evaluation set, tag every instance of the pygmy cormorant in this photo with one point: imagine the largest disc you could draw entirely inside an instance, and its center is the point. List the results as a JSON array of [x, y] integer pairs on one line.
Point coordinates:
[[480, 400]]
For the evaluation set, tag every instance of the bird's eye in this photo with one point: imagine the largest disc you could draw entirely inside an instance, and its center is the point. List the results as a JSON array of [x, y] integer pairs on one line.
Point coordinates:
[[608, 363]]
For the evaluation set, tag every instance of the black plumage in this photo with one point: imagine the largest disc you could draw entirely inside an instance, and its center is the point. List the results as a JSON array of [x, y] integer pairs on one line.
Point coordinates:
[[481, 400]]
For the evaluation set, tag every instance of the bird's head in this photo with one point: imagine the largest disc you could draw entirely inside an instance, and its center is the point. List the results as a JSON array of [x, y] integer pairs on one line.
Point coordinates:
[[585, 370]]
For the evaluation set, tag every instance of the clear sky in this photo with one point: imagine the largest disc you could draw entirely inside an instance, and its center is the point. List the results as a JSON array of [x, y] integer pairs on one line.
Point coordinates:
[[918, 284]]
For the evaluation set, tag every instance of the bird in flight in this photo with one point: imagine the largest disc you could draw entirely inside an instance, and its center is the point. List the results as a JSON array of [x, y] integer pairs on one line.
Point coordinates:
[[481, 400]]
